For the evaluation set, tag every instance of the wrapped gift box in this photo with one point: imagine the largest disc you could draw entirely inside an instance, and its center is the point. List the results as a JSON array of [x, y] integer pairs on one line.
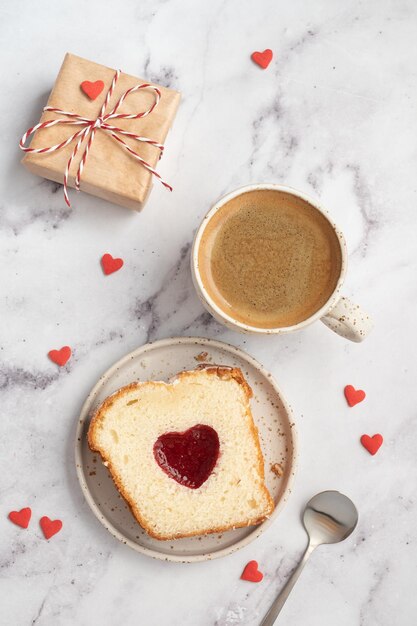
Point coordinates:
[[110, 171]]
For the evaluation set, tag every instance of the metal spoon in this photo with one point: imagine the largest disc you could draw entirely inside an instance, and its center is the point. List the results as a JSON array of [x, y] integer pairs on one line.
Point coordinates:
[[329, 517]]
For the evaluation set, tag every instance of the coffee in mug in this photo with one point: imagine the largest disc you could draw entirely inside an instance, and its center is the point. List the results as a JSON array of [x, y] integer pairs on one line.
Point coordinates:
[[269, 259]]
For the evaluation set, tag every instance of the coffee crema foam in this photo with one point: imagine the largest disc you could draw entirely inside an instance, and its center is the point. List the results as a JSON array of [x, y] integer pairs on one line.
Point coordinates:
[[269, 259]]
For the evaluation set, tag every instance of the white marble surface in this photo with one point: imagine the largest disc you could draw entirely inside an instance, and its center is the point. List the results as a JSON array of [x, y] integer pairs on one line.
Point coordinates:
[[335, 116]]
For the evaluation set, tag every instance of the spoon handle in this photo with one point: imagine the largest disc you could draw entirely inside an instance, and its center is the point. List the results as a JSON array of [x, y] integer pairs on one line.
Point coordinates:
[[279, 601]]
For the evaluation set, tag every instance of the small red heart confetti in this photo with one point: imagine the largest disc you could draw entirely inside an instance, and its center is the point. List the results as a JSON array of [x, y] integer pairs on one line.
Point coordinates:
[[92, 90], [21, 518], [372, 444], [60, 357], [252, 573], [110, 265], [50, 527], [354, 396], [263, 59]]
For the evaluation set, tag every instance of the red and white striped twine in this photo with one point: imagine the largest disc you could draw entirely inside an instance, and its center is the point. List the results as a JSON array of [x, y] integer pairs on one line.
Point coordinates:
[[89, 129]]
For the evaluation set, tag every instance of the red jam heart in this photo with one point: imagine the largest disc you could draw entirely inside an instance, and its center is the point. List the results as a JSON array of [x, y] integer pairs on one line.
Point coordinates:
[[354, 396], [50, 527], [60, 357], [372, 444], [252, 573], [110, 264], [188, 457], [92, 90], [21, 518], [263, 59]]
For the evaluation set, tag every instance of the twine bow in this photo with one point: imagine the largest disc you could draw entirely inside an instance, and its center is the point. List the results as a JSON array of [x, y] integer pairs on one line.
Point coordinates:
[[90, 127]]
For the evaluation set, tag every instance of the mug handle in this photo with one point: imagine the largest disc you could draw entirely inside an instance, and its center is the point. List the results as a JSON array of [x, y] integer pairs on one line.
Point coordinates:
[[348, 320]]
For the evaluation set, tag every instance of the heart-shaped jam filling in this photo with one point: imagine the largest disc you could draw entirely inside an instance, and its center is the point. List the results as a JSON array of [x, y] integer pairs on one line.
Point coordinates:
[[188, 457]]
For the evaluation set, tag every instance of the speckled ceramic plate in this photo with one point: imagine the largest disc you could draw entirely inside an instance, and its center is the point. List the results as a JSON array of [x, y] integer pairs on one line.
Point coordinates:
[[160, 361]]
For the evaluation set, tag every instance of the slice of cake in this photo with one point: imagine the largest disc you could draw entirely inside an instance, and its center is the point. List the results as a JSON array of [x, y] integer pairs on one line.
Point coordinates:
[[185, 455]]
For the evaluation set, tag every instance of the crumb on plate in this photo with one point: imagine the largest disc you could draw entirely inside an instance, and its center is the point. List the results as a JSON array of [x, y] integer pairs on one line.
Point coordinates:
[[277, 469]]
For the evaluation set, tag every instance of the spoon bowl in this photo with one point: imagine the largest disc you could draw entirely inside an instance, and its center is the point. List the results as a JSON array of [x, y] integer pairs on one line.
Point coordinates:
[[329, 517]]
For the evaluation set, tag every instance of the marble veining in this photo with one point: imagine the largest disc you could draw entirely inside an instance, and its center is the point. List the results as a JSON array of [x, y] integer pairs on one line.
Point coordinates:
[[333, 116], [15, 377]]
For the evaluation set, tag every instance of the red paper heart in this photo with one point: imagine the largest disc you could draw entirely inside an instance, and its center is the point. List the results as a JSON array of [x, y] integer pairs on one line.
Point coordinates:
[[263, 59], [109, 264], [251, 573], [92, 90], [372, 444], [60, 357], [21, 518], [354, 396], [188, 457], [50, 527]]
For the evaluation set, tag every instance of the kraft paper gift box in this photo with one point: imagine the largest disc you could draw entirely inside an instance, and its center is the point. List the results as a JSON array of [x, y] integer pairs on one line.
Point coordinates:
[[110, 171]]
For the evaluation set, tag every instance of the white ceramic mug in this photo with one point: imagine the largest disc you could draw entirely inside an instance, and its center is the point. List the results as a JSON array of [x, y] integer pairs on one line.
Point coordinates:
[[338, 313]]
